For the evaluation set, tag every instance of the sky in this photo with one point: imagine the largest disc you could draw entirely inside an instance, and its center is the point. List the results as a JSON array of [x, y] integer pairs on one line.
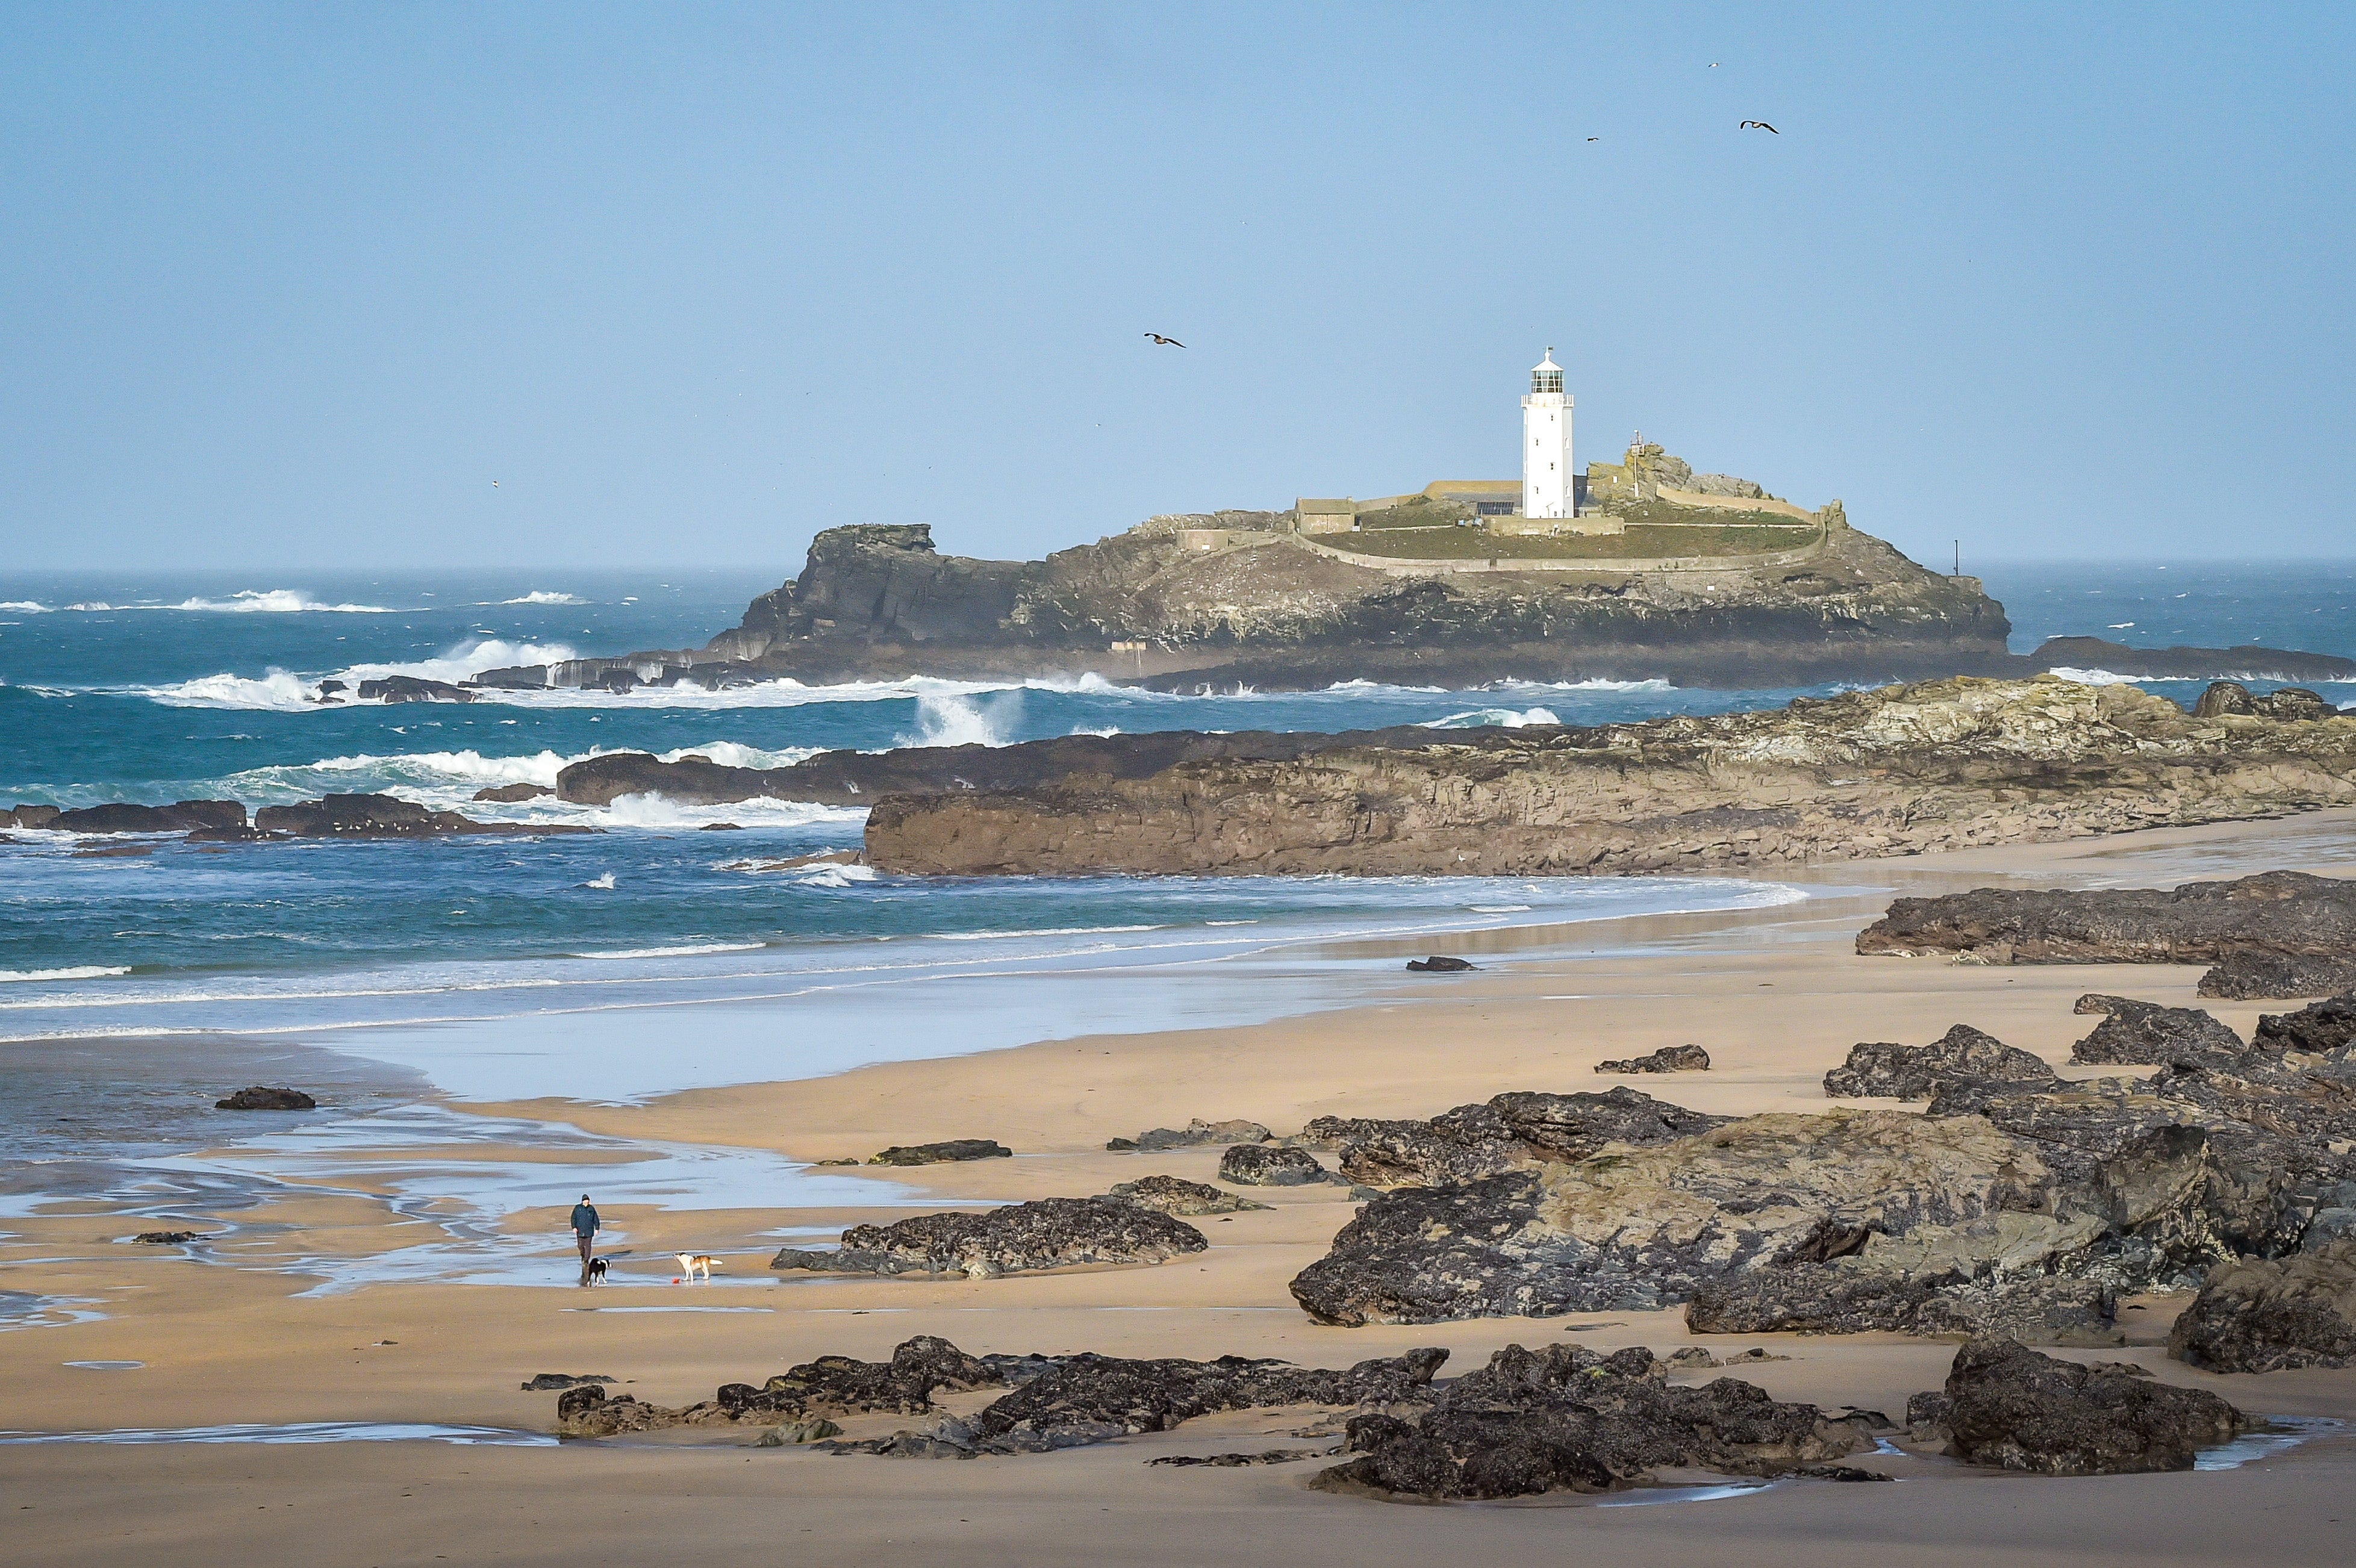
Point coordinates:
[[432, 285]]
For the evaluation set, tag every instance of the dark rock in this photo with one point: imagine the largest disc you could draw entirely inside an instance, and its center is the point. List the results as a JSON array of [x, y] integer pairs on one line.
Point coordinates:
[[1919, 1071], [260, 1098], [550, 1382], [2262, 976], [383, 817], [1840, 1473], [1668, 1059], [1173, 1196], [2011, 1408], [508, 795], [1439, 963], [1266, 1165], [30, 817], [411, 688], [1564, 1418], [1926, 1417], [721, 827], [1194, 1133], [1509, 1132], [182, 817], [2318, 1028], [164, 1238], [943, 1153], [1233, 1461], [1051, 1232], [904, 1385], [2288, 913], [2034, 1311], [2256, 1315], [2146, 1034]]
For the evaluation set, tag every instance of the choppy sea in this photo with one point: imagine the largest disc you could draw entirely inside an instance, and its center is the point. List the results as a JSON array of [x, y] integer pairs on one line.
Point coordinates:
[[159, 687]]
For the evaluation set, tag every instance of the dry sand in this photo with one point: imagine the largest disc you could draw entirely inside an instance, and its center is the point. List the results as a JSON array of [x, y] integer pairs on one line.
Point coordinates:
[[1777, 996]]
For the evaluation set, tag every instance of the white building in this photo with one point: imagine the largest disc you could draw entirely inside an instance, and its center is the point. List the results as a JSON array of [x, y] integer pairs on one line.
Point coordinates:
[[1546, 489]]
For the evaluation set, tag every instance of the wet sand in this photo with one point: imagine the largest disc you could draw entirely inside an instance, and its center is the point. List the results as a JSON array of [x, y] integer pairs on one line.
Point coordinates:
[[1776, 995]]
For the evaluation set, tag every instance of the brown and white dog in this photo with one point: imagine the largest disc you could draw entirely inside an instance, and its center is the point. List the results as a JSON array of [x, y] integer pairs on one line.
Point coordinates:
[[693, 1264]]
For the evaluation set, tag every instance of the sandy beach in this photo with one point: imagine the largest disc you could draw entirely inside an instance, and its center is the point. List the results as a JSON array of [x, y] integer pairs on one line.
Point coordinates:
[[241, 1333]]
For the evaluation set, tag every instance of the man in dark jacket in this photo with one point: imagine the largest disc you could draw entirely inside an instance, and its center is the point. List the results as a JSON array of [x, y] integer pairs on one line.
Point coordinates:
[[585, 1225]]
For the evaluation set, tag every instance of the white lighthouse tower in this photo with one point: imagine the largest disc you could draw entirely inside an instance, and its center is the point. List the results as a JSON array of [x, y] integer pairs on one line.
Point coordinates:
[[1546, 443]]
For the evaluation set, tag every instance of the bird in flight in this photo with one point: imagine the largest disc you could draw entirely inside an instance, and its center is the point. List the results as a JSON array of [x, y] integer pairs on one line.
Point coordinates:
[[1759, 126], [1166, 342], [495, 483], [1595, 138]]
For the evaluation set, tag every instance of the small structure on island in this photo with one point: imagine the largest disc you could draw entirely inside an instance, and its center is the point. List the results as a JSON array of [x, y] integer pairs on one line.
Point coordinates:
[[1546, 443]]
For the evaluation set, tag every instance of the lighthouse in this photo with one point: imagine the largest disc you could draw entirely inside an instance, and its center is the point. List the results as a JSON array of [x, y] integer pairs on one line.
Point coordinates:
[[1546, 443]]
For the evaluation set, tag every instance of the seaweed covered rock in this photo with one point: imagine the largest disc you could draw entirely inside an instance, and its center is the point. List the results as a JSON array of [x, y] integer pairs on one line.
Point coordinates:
[[1668, 1059], [1267, 1165], [2316, 1029], [1564, 1418], [2263, 977], [903, 1385], [1506, 1132], [2288, 913], [945, 1152], [1051, 1232], [1183, 1198], [1885, 1070], [2258, 1314], [2035, 1311], [2138, 1033], [2011, 1408]]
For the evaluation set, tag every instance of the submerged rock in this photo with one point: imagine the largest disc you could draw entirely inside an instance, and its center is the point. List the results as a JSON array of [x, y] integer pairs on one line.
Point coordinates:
[[384, 816], [1181, 1198], [261, 1098], [2011, 1408], [508, 795], [943, 1153], [1266, 1165], [2146, 1034], [1668, 1059], [2286, 913], [2262, 976], [2257, 1315], [1883, 1071], [1051, 1232], [1564, 1418]]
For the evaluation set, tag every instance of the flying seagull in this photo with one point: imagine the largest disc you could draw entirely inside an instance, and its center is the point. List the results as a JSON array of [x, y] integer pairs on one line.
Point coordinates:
[[1166, 342], [1595, 138], [1759, 126]]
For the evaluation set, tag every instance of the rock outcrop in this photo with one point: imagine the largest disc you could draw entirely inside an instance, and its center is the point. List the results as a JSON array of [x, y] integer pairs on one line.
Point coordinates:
[[1506, 1132], [2260, 1315], [1962, 1054], [1440, 964], [2144, 1034], [1194, 1133], [1668, 1059], [1896, 771], [2011, 1408], [1566, 1418], [2282, 913], [945, 1152], [2033, 1310], [383, 817], [1266, 1165], [261, 1097], [837, 1384], [2318, 1028], [1051, 1232], [2263, 977], [411, 688], [181, 816], [1179, 1198]]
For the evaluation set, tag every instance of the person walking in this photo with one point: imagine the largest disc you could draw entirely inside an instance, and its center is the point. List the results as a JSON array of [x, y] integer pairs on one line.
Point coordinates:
[[585, 1225]]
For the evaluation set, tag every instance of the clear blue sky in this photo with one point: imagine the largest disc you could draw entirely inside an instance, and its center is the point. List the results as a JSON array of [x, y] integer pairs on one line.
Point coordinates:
[[295, 284]]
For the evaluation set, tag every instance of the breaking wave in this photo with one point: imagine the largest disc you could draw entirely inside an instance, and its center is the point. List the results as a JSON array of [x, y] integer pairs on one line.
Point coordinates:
[[284, 692], [2112, 677], [249, 601], [542, 596], [1485, 718], [80, 972], [21, 607]]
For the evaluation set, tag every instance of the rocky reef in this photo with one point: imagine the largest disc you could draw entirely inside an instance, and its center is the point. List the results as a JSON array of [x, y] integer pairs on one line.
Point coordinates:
[[2287, 914], [1051, 1232], [1900, 770]]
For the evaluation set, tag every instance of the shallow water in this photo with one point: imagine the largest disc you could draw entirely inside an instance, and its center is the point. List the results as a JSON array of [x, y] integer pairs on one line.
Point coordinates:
[[2281, 1434], [300, 1432]]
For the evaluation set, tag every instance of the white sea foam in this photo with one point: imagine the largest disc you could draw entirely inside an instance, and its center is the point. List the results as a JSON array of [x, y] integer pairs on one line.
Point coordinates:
[[1045, 931], [543, 596], [951, 719], [80, 972], [690, 950], [2112, 677], [285, 692], [1484, 718], [21, 607], [250, 601]]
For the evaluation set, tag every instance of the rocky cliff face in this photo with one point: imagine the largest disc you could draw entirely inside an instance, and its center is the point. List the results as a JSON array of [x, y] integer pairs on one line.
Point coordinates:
[[1900, 770], [878, 601]]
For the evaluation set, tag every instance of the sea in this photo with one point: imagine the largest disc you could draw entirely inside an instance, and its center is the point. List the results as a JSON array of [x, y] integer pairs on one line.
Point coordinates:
[[162, 686]]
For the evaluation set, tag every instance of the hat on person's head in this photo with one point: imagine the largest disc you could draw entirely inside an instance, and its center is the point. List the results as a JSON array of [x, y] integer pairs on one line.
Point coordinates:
[[584, 1197]]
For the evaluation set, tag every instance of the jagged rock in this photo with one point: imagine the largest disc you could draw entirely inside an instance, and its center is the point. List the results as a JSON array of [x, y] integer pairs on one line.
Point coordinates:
[[261, 1098], [1566, 1418], [1903, 770], [2258, 1314], [2011, 1408], [2318, 1028], [1194, 1132], [1884, 1071], [2146, 1034], [2034, 1311], [32, 817], [943, 1153], [1265, 1165], [181, 816], [383, 816], [546, 1382], [904, 1385], [411, 688], [2231, 699], [1509, 1132], [1179, 1198], [164, 1238], [2288, 913], [1668, 1059], [1051, 1232], [1644, 1227], [1440, 964], [508, 795], [2262, 976]]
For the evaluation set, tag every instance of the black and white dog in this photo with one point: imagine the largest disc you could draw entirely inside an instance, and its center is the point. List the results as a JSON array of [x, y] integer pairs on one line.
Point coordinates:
[[596, 1271]]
